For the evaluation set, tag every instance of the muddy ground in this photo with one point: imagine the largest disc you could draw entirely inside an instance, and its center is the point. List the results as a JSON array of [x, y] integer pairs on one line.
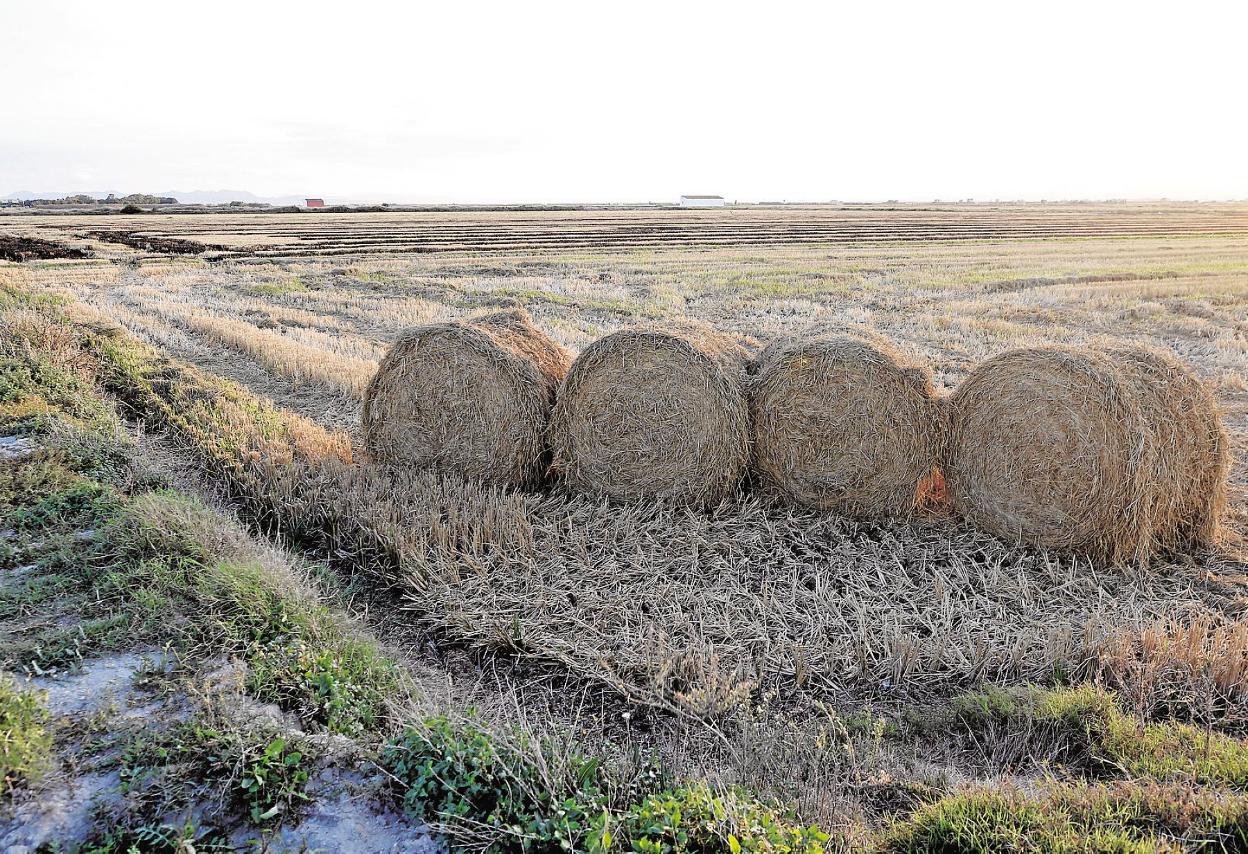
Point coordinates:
[[163, 245], [14, 248]]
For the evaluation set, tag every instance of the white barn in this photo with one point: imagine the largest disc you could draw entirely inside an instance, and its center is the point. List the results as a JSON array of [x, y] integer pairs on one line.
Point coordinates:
[[702, 201]]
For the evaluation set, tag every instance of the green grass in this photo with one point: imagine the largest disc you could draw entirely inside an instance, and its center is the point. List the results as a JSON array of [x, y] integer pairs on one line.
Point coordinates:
[[25, 740], [276, 289], [1121, 817], [1085, 727]]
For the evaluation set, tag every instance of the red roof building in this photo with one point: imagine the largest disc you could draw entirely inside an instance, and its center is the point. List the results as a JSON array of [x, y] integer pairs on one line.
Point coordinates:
[[314, 203]]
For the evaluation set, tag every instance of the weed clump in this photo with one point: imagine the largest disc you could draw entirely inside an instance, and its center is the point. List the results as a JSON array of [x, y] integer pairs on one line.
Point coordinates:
[[533, 795], [696, 820], [25, 741], [456, 774], [265, 772]]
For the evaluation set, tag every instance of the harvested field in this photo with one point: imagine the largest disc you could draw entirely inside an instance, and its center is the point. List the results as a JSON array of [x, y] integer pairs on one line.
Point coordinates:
[[318, 235], [874, 675]]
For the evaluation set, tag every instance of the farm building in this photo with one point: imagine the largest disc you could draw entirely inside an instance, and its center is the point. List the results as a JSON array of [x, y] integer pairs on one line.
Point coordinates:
[[702, 201], [314, 203]]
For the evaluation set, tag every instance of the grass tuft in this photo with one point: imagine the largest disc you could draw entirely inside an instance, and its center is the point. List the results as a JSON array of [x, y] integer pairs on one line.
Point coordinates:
[[1126, 818], [1086, 728], [25, 740]]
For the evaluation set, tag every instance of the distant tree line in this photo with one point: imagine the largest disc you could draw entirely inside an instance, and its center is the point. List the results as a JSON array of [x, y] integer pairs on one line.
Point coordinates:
[[82, 200]]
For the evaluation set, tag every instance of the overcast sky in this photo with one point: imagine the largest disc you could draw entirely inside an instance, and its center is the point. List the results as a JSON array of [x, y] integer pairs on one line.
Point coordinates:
[[631, 101]]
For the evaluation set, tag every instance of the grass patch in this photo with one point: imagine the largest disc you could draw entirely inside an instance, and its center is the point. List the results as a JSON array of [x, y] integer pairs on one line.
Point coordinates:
[[1085, 727], [259, 774], [25, 741], [276, 289], [1121, 817], [185, 576]]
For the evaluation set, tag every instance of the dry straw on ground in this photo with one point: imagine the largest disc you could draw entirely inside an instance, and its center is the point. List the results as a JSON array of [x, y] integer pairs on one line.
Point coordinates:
[[472, 398], [655, 413], [844, 421], [1118, 454]]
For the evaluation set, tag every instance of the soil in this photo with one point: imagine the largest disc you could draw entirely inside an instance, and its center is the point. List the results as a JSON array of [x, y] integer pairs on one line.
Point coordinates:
[[163, 245], [14, 248]]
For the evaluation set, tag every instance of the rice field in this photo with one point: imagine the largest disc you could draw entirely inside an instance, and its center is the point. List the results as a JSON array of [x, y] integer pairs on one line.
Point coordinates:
[[747, 645]]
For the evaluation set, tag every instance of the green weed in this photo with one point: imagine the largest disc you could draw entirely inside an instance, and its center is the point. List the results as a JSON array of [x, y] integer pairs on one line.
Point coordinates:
[[265, 772], [457, 774], [696, 820], [540, 796], [25, 741], [160, 838]]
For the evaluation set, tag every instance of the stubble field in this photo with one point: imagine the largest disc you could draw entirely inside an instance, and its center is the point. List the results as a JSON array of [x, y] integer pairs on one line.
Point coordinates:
[[872, 679]]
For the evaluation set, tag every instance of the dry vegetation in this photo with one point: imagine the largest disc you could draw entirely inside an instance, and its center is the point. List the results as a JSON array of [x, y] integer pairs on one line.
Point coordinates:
[[795, 653]]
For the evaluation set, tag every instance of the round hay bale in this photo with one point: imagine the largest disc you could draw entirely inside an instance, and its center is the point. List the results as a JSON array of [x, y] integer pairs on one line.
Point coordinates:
[[1079, 450], [654, 413], [471, 398], [1190, 450], [1047, 447], [845, 422]]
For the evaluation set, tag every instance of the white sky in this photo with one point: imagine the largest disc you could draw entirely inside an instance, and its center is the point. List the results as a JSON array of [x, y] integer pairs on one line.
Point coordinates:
[[630, 101]]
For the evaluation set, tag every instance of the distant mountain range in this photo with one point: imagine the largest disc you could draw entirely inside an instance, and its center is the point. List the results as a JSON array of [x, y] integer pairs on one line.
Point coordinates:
[[186, 197]]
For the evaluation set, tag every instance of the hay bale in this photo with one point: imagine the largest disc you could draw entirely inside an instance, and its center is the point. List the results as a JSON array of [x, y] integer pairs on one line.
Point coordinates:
[[470, 398], [844, 421], [1191, 452], [1073, 449], [654, 413]]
